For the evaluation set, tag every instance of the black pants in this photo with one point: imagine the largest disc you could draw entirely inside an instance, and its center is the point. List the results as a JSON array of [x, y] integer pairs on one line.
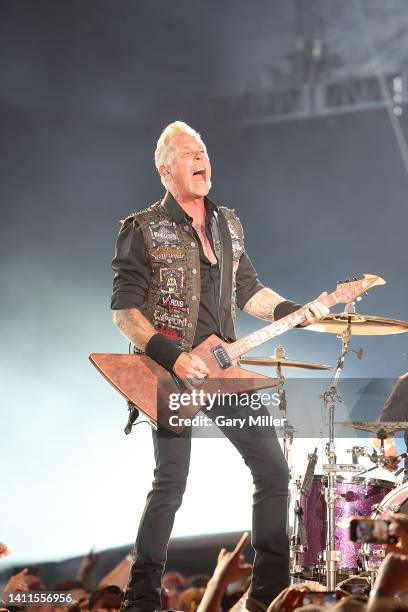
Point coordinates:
[[260, 449]]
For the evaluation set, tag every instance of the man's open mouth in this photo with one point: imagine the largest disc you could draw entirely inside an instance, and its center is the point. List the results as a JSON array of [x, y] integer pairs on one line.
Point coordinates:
[[199, 175]]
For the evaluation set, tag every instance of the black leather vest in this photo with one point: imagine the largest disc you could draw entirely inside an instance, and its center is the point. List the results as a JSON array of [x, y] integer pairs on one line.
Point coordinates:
[[173, 298]]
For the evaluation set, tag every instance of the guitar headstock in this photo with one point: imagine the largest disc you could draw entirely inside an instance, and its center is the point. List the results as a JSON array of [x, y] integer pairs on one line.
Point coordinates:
[[348, 291]]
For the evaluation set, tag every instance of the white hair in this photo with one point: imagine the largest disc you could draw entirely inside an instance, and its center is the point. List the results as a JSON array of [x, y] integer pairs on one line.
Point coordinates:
[[161, 155]]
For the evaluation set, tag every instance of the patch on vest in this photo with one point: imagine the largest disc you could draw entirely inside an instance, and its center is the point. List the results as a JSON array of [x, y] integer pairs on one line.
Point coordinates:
[[170, 320], [171, 280], [164, 252], [169, 332], [163, 232], [173, 304]]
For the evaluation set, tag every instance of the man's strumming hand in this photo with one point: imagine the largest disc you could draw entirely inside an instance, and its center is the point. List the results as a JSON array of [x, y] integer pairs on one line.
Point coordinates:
[[190, 367]]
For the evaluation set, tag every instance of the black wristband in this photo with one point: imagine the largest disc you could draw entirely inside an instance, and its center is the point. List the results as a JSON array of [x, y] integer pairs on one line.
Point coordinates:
[[165, 352], [285, 308]]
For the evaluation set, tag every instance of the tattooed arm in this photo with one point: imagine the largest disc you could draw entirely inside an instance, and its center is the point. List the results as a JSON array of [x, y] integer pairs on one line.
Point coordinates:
[[267, 304], [263, 303], [252, 296], [134, 326]]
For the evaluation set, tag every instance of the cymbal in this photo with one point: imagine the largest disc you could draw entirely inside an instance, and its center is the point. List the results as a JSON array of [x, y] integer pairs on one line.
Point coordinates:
[[284, 363], [361, 325], [389, 427]]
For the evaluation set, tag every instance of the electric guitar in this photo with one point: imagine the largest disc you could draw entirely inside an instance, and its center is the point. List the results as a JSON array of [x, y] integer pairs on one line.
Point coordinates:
[[150, 387]]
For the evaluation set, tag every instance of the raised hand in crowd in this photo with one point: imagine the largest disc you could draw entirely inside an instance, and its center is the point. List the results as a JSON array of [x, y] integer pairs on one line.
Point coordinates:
[[392, 578], [289, 599], [4, 550], [231, 566], [17, 582], [119, 575], [87, 566], [399, 528]]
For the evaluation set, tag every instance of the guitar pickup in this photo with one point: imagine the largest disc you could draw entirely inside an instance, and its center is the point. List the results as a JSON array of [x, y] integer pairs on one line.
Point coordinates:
[[222, 356]]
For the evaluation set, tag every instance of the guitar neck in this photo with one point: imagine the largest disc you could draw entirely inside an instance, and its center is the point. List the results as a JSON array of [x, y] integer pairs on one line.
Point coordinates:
[[256, 338]]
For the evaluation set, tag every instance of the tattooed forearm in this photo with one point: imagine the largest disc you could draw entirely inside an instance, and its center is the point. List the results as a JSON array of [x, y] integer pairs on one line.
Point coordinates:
[[134, 326], [263, 303]]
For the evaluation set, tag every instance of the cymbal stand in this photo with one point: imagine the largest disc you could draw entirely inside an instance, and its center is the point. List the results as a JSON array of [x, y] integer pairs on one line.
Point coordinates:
[[288, 429], [330, 398]]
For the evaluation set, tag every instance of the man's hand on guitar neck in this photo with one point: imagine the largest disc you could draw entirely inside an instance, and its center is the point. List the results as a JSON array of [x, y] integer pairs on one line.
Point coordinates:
[[267, 304], [316, 310]]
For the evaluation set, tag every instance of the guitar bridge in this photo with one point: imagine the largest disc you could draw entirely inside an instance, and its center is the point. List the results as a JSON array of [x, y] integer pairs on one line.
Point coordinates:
[[222, 356]]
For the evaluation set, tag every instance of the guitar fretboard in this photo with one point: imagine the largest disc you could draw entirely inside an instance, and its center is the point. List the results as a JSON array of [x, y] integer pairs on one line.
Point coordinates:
[[256, 338]]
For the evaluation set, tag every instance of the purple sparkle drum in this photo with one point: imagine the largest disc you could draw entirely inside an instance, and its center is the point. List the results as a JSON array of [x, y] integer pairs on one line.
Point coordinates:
[[355, 496], [395, 501]]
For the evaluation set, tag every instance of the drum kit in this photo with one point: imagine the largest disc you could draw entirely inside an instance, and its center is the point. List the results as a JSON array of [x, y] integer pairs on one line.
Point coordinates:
[[322, 504]]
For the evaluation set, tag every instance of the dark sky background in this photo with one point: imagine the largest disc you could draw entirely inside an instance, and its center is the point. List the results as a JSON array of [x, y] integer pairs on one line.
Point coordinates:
[[86, 89]]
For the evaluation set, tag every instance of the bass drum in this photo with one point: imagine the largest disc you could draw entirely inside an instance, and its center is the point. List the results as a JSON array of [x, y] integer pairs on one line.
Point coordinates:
[[395, 501], [355, 496]]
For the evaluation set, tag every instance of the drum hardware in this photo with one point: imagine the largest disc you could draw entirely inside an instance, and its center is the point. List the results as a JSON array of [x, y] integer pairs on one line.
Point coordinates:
[[356, 585], [381, 429], [381, 461], [299, 537], [354, 496], [307, 481], [330, 398], [396, 501], [288, 429], [344, 325], [356, 452], [310, 536], [379, 553], [342, 467], [361, 325], [279, 359], [404, 471], [365, 490], [298, 540]]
